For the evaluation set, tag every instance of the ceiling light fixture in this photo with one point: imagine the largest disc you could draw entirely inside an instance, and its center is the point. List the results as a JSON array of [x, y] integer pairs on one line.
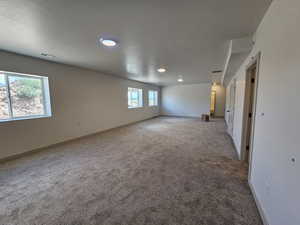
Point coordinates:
[[161, 70], [108, 42], [180, 80]]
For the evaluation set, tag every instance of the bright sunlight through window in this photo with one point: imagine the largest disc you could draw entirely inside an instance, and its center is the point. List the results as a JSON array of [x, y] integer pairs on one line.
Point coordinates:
[[23, 96], [153, 98], [135, 98]]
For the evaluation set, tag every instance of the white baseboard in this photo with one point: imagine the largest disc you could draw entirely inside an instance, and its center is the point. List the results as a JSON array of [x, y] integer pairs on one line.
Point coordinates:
[[181, 116], [260, 209]]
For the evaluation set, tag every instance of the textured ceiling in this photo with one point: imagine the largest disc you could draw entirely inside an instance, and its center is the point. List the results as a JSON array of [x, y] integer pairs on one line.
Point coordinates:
[[187, 37]]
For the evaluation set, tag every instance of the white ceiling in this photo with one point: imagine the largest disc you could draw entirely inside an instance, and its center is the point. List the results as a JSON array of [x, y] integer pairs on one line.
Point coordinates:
[[188, 37], [236, 60]]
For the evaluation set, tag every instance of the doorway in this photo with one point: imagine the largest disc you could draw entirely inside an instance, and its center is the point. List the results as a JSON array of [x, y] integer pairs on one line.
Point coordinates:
[[213, 100], [250, 110]]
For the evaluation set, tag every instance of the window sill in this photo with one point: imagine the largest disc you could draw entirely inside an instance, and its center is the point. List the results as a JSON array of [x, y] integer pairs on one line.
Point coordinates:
[[139, 107], [25, 118]]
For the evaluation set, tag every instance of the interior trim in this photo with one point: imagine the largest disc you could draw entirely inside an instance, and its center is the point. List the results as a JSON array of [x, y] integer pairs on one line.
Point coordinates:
[[259, 207]]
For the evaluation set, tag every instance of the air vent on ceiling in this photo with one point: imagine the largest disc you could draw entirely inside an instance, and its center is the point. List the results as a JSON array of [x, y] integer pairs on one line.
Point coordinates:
[[48, 55], [217, 71]]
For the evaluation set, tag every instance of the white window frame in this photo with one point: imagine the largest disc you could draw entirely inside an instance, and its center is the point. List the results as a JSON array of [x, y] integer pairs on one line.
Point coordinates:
[[140, 98], [45, 92], [155, 92]]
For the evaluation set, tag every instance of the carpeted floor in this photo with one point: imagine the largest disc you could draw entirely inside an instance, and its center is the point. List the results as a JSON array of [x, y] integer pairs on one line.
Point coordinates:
[[164, 171]]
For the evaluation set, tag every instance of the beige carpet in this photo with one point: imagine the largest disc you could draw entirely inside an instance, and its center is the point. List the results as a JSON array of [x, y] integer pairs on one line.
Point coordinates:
[[165, 171]]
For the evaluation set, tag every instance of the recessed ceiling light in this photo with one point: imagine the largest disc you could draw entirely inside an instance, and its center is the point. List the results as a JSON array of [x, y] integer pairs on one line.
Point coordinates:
[[108, 42], [180, 80], [161, 70]]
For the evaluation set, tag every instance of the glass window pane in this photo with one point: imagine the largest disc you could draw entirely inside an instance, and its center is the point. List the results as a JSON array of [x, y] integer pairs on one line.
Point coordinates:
[[4, 105], [129, 98], [135, 98], [26, 96], [152, 97], [140, 100]]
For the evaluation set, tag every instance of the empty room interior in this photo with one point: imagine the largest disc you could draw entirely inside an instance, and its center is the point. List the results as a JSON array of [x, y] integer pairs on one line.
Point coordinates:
[[149, 112]]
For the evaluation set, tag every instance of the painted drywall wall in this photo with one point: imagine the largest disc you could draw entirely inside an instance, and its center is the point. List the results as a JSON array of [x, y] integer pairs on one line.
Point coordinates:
[[83, 102], [276, 152], [220, 100], [186, 100]]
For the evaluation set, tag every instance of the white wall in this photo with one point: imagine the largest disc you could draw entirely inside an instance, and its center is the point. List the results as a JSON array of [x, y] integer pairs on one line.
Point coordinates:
[[186, 100], [275, 178], [83, 102]]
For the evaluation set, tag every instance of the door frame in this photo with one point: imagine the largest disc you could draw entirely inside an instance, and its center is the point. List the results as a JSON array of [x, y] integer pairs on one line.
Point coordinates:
[[232, 102], [255, 62], [213, 94]]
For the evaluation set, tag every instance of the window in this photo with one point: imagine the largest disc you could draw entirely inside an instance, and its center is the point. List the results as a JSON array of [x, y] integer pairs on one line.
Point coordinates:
[[153, 98], [135, 98], [23, 96]]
